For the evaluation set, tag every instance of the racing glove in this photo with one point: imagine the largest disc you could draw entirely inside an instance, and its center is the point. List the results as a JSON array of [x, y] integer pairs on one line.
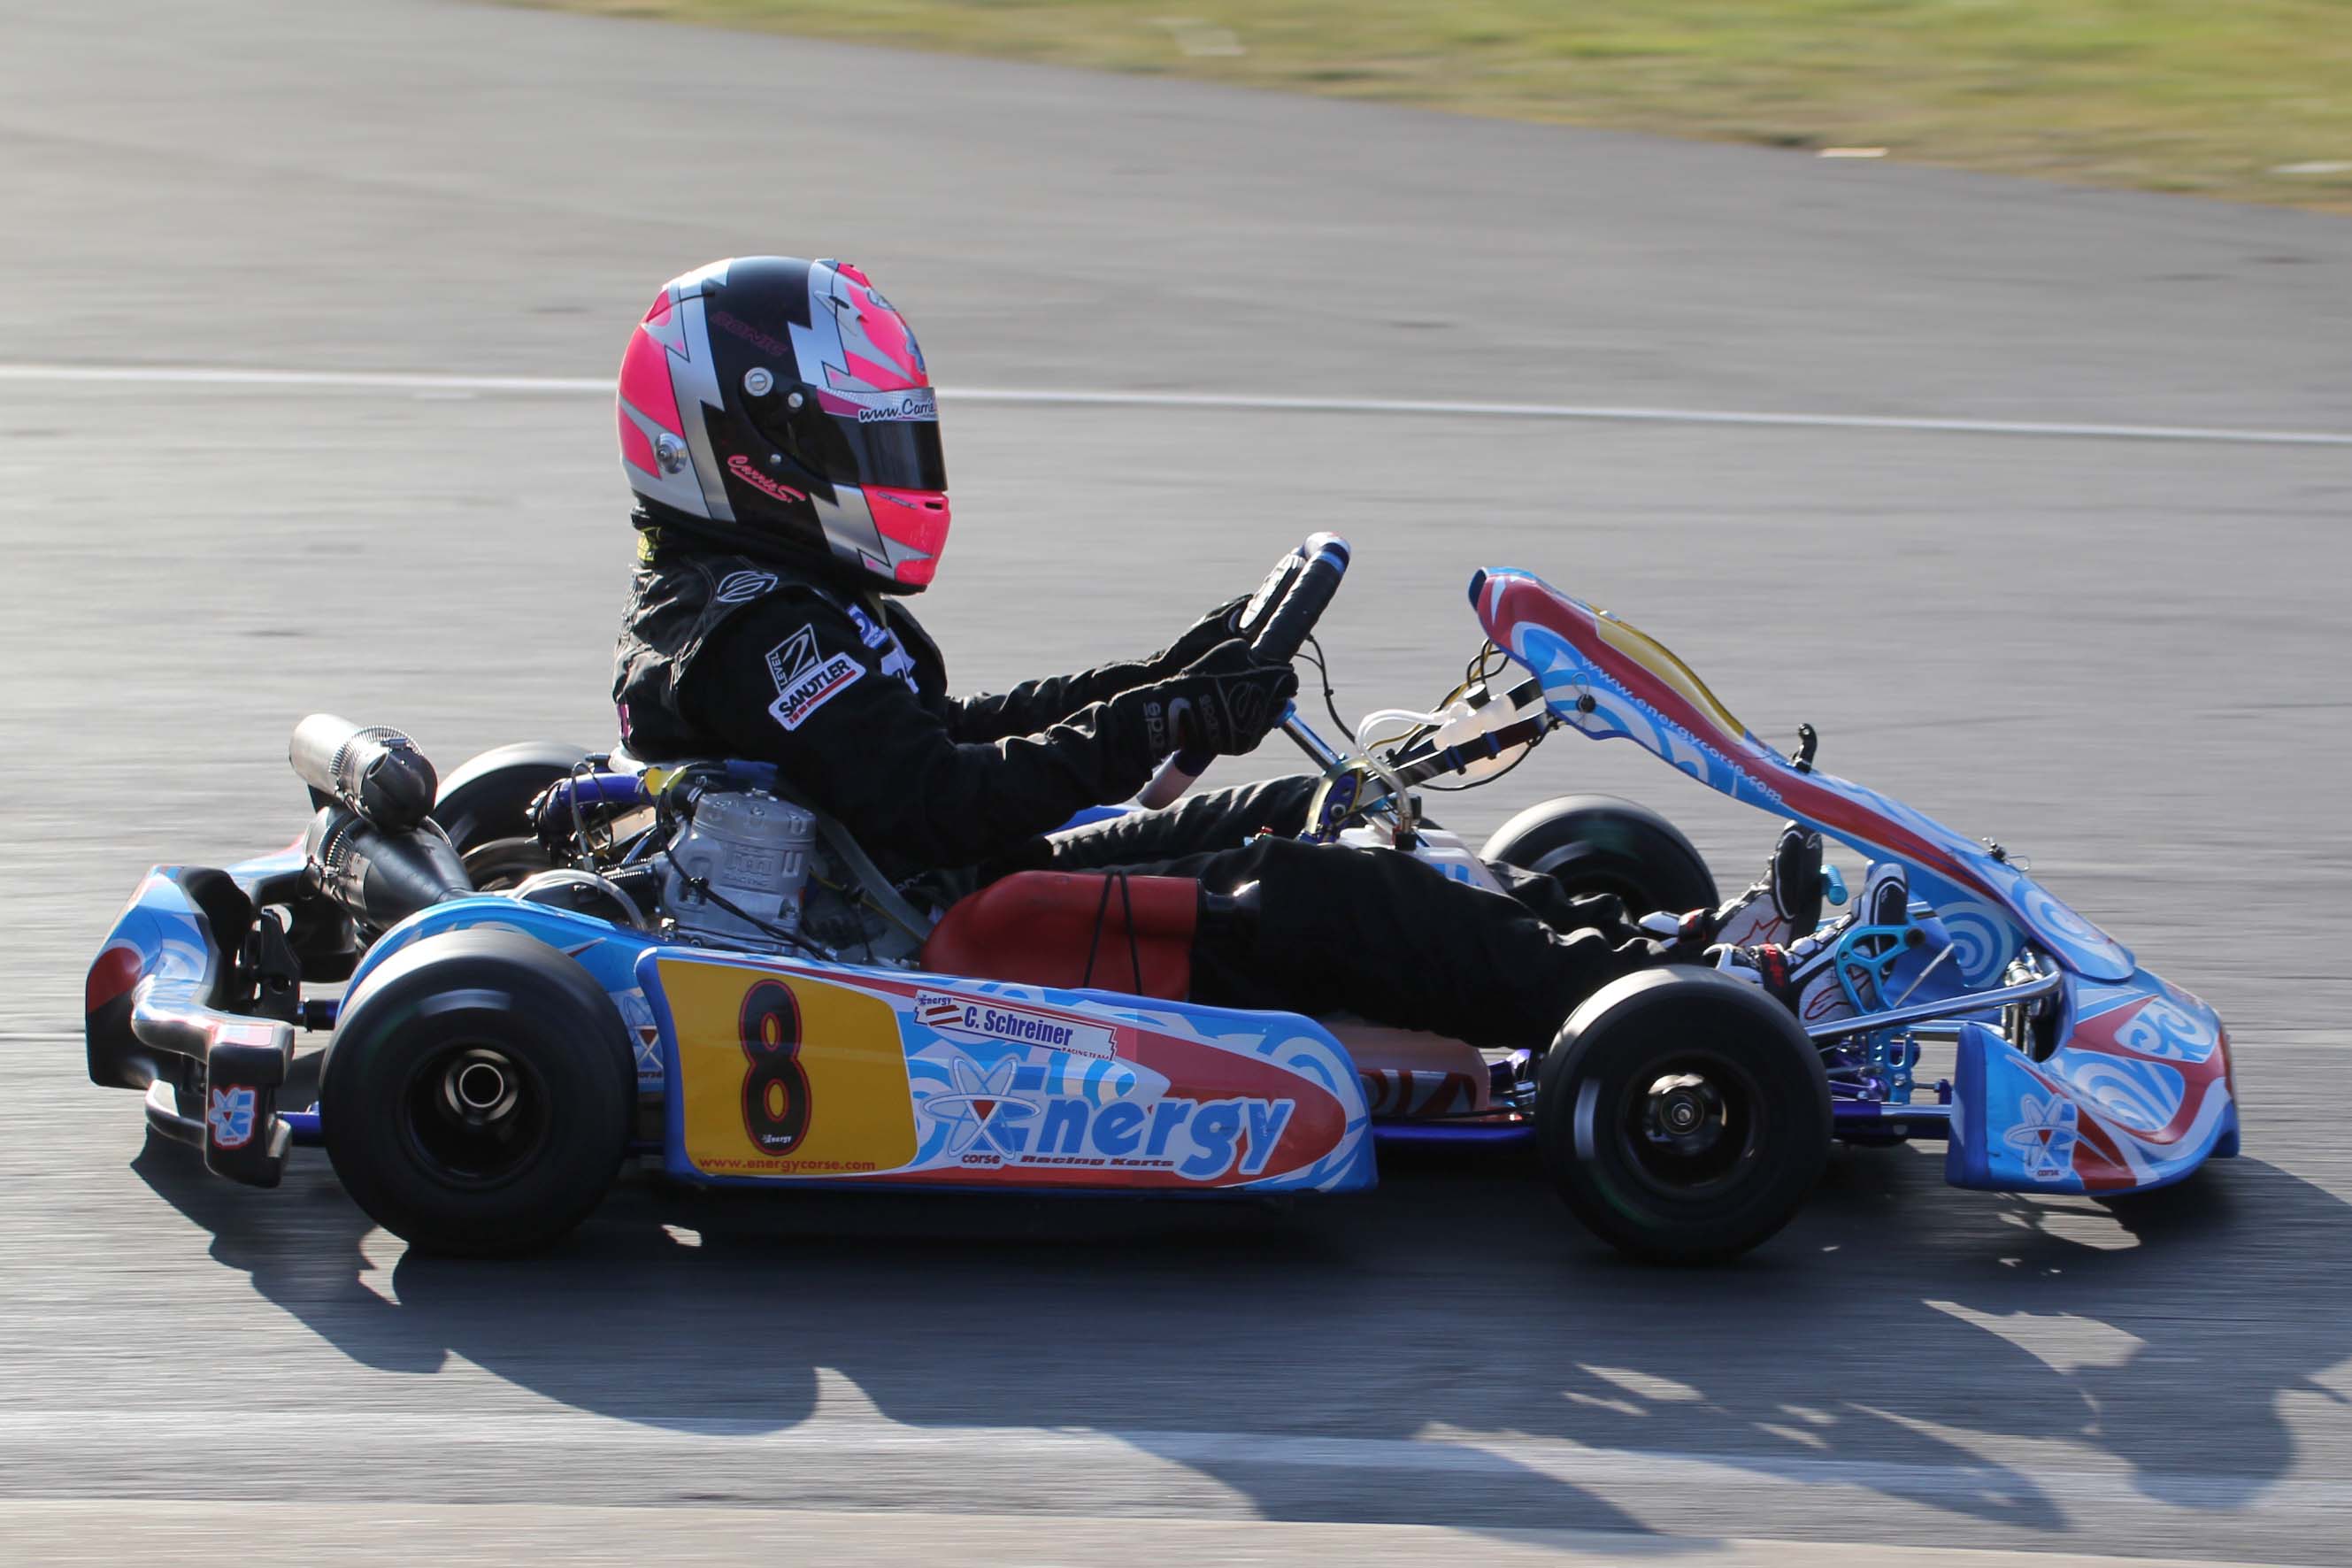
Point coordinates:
[[1224, 701], [1200, 638]]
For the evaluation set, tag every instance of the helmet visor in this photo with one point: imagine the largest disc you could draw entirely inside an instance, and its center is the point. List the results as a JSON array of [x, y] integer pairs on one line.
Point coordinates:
[[890, 440], [896, 453]]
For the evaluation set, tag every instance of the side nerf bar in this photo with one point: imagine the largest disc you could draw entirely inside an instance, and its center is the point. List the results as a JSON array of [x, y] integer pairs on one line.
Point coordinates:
[[151, 1022]]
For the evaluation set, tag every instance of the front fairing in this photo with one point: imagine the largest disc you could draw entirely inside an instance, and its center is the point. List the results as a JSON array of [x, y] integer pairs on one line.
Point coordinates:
[[2138, 1093], [1607, 679]]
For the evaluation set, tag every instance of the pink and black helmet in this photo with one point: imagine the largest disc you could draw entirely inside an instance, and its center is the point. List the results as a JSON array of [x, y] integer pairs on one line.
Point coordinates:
[[781, 408]]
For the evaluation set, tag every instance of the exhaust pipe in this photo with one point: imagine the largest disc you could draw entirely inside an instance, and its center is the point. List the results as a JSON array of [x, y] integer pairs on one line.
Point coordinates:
[[374, 771], [381, 878]]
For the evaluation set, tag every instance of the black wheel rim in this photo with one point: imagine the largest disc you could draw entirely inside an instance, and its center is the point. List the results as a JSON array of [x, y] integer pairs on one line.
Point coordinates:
[[474, 1114], [504, 863], [1691, 1127]]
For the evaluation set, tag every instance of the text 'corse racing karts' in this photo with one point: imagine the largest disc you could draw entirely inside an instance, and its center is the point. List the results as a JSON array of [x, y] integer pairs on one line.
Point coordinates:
[[697, 970]]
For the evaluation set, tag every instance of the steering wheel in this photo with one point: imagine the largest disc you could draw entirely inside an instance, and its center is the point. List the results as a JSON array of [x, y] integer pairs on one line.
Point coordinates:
[[1277, 621]]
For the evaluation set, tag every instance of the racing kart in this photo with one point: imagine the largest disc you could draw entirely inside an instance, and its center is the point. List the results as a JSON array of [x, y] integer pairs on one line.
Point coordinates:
[[552, 962]]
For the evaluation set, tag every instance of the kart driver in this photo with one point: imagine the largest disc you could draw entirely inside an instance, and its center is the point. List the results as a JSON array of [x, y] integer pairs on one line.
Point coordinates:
[[778, 431]]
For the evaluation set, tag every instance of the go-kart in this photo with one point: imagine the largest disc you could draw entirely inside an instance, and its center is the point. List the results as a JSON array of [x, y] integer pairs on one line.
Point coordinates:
[[553, 960]]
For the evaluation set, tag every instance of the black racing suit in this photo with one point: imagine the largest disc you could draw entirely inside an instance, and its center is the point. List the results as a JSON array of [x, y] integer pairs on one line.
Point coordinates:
[[721, 655]]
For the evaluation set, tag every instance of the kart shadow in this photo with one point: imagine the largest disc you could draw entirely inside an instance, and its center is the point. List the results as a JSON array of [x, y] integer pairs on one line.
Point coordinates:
[[1859, 1349]]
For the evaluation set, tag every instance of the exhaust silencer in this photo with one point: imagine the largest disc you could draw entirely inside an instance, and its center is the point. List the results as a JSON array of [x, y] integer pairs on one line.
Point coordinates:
[[376, 771], [381, 878]]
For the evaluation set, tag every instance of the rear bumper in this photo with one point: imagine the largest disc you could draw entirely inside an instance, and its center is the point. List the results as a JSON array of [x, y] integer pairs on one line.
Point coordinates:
[[153, 1021]]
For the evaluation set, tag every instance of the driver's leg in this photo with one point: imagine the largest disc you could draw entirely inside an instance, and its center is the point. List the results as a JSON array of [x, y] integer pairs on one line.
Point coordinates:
[[1219, 819], [1199, 823], [1380, 934], [1554, 905]]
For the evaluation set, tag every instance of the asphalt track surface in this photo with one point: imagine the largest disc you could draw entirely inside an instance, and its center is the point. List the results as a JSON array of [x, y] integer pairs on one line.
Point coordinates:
[[2125, 657]]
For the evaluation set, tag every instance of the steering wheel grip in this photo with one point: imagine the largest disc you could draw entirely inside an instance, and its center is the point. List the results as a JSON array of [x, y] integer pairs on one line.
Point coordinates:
[[1320, 564], [1286, 629]]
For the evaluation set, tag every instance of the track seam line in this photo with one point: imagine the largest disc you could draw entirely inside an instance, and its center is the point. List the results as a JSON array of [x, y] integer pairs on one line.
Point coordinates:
[[919, 1534], [419, 381], [54, 1429]]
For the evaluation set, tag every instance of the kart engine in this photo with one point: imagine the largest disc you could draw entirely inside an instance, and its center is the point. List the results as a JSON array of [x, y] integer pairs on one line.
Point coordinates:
[[736, 867]]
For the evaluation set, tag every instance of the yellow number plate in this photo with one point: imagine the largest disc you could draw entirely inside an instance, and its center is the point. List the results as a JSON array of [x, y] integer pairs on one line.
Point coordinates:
[[784, 1075]]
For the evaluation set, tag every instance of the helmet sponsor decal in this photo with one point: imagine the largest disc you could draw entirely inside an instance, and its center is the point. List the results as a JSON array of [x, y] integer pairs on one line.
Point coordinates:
[[750, 334], [741, 467], [805, 683], [923, 404]]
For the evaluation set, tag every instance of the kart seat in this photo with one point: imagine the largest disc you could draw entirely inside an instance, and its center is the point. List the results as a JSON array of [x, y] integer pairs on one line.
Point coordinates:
[[1072, 930], [1038, 928]]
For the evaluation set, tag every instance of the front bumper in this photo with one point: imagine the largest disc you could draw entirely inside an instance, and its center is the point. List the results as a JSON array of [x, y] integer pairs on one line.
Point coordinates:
[[2137, 1093]]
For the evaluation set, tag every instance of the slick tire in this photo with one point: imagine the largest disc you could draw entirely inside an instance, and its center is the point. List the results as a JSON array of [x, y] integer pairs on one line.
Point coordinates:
[[1683, 1117], [485, 808], [478, 1094], [1599, 844]]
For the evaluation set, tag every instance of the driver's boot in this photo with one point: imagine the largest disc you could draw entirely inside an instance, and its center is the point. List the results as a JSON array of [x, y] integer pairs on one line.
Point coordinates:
[[1782, 906], [1806, 974], [1786, 904]]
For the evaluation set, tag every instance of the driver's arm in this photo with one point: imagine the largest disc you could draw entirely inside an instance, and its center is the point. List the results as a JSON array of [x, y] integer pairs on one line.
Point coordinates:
[[1034, 704], [790, 681]]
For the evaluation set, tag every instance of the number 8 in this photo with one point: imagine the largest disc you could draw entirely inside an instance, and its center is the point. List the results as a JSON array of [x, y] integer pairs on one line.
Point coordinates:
[[775, 1090]]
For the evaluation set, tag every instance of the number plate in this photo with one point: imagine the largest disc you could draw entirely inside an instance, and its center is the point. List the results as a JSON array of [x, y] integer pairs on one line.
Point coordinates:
[[786, 1076]]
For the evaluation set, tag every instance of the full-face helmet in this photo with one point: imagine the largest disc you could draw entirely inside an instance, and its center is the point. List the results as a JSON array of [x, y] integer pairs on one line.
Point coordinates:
[[780, 409]]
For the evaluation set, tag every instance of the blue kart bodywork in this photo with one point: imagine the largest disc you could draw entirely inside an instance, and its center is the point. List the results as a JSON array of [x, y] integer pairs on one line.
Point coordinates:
[[998, 1084]]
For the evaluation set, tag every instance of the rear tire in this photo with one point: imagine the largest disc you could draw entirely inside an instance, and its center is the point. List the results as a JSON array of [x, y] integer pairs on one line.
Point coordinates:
[[1600, 844], [1683, 1117], [485, 808], [503, 864], [478, 1094]]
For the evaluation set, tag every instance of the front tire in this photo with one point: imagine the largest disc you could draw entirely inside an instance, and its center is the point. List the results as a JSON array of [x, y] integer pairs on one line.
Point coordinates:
[[478, 1093], [1683, 1117], [1600, 844]]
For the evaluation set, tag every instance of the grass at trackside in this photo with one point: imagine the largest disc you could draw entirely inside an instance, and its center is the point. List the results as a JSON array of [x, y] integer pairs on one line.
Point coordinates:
[[2222, 98]]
